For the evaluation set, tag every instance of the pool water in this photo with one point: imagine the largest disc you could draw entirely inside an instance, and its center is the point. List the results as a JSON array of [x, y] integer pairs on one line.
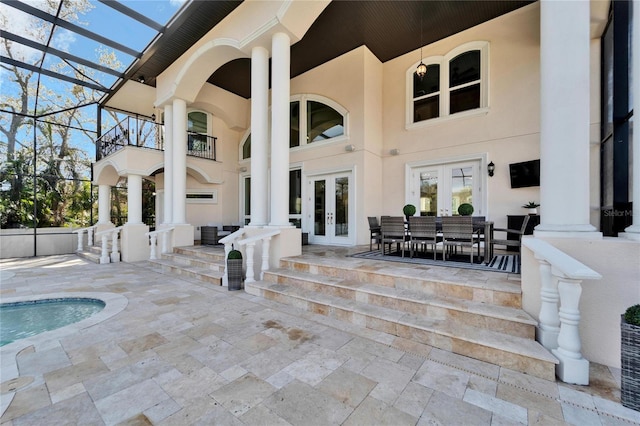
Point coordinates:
[[25, 319]]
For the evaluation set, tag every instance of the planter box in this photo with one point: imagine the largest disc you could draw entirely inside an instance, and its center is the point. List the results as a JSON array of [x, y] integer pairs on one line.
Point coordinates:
[[630, 354], [235, 275]]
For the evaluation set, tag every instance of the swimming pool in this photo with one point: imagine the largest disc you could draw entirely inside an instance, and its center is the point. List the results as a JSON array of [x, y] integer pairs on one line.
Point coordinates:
[[19, 320]]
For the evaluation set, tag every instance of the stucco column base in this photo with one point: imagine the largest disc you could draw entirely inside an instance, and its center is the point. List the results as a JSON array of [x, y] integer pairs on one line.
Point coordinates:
[[571, 370], [134, 244], [631, 233], [587, 232], [183, 235]]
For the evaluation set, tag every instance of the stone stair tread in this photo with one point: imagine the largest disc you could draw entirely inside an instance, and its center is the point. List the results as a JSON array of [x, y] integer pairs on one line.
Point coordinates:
[[486, 309], [497, 340], [206, 252], [399, 271], [197, 270], [187, 260]]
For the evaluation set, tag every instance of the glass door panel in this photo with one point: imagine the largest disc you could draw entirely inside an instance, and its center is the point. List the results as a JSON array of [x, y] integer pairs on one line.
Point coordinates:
[[342, 207], [461, 186], [331, 212], [320, 202], [429, 193]]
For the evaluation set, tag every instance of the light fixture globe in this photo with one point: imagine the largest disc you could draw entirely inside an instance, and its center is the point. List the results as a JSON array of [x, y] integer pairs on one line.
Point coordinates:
[[421, 70]]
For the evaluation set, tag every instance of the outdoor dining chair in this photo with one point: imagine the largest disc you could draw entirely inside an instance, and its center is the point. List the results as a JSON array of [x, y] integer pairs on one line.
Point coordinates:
[[393, 232], [507, 242], [423, 232], [457, 231], [374, 230]]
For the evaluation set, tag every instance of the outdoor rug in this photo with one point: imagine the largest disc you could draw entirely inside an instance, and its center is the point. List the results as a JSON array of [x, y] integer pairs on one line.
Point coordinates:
[[509, 263]]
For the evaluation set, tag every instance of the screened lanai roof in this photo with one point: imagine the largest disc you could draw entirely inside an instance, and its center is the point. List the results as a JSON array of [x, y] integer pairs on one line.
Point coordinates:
[[90, 43]]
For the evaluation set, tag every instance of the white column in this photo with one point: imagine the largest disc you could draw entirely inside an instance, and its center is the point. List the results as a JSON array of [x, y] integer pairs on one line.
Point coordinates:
[[104, 204], [280, 125], [259, 135], [179, 200], [564, 118], [134, 199], [168, 164], [633, 231]]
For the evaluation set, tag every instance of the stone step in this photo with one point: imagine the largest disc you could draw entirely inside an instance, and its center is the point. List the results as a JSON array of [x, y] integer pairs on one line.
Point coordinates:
[[210, 253], [205, 274], [513, 352], [89, 255], [199, 262], [504, 319], [417, 278]]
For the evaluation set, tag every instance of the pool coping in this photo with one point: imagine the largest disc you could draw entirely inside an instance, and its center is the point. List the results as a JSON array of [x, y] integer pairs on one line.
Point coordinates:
[[114, 304]]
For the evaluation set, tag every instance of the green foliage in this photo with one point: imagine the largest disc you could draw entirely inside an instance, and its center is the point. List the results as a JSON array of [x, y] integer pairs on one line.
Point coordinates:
[[234, 254], [531, 205], [409, 210], [465, 209], [632, 315]]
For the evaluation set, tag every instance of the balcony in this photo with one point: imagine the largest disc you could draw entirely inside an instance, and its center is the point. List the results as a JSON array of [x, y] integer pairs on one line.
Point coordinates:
[[146, 134]]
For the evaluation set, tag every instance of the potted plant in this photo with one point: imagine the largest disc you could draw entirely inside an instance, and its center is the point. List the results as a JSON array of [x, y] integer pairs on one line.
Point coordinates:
[[630, 357], [409, 210], [465, 209], [234, 270], [532, 206]]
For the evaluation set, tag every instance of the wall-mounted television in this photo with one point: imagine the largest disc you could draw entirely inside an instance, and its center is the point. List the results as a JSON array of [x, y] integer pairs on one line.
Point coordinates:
[[525, 174]]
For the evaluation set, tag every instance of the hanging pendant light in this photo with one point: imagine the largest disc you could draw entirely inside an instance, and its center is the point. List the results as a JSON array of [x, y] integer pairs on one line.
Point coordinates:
[[421, 71]]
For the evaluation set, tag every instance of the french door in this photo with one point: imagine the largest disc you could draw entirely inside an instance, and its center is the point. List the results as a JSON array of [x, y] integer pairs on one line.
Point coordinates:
[[329, 209], [438, 190]]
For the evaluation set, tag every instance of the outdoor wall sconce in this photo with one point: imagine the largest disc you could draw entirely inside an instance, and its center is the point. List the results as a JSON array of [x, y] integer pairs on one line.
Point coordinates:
[[394, 151], [491, 168], [349, 148], [141, 79]]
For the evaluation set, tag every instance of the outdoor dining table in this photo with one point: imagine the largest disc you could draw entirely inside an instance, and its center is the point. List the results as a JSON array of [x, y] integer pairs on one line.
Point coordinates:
[[486, 231]]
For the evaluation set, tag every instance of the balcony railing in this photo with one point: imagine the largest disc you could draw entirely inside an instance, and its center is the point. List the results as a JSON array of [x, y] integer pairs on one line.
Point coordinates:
[[203, 146], [131, 131], [144, 133]]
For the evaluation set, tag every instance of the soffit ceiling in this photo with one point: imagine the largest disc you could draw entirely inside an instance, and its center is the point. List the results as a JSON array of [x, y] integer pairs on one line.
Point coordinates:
[[388, 28]]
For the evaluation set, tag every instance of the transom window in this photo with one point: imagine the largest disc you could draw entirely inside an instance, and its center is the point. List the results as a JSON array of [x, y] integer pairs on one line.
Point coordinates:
[[313, 119], [454, 83]]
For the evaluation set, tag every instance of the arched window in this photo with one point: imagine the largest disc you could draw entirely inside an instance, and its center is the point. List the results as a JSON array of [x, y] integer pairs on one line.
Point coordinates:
[[313, 119], [454, 83]]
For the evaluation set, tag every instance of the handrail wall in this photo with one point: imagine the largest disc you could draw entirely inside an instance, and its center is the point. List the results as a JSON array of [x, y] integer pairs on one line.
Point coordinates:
[[560, 289], [153, 241], [114, 257]]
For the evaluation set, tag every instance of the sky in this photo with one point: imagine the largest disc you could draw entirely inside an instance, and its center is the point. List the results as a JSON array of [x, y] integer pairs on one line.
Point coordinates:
[[99, 19]]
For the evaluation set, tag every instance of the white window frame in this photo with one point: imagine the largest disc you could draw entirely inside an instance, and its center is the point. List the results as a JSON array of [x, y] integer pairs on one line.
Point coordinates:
[[302, 142], [444, 90]]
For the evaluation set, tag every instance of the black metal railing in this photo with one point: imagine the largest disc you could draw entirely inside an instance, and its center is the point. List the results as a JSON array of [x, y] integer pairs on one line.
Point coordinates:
[[202, 146], [144, 133], [131, 131]]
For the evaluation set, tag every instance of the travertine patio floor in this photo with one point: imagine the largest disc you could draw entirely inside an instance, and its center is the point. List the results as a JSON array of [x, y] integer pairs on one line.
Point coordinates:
[[183, 352]]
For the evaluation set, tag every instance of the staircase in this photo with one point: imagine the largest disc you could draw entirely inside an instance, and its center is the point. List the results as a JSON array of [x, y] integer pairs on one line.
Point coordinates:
[[482, 320], [205, 263], [91, 253]]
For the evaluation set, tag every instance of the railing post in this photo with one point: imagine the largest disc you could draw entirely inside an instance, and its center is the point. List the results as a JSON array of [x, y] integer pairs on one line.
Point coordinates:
[[153, 242], [90, 232], [549, 327], [115, 252], [265, 256], [104, 258], [165, 242], [573, 368], [250, 274], [80, 232]]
